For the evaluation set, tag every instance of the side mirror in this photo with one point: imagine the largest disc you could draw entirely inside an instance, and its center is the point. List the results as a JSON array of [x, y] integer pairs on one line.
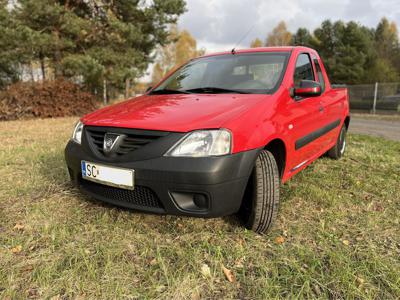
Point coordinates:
[[148, 89], [308, 88]]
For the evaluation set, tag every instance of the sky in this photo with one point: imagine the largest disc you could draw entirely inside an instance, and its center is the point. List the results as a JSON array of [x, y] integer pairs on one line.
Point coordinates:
[[218, 25]]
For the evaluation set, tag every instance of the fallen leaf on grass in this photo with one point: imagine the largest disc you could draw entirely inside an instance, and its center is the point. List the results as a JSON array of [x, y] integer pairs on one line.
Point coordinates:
[[229, 274], [360, 280], [195, 296], [280, 240], [205, 270], [346, 242], [16, 249], [19, 226]]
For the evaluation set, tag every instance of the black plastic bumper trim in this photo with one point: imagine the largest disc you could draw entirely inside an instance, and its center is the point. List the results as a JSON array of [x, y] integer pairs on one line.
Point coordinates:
[[223, 179]]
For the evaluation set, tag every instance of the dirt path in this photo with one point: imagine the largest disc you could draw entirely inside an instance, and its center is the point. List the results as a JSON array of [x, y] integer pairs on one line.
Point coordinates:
[[389, 129]]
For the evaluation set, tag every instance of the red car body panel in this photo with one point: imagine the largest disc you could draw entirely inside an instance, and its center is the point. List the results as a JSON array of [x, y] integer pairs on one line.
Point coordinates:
[[180, 112], [254, 119]]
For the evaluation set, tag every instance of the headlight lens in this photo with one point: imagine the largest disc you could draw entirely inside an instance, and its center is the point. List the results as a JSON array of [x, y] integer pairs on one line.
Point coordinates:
[[77, 134], [203, 143]]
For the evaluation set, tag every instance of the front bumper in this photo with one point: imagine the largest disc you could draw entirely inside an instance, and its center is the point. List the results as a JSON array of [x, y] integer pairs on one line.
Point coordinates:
[[204, 187]]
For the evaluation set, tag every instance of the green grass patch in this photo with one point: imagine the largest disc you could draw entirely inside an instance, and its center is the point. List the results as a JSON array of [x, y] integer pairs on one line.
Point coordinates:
[[339, 219]]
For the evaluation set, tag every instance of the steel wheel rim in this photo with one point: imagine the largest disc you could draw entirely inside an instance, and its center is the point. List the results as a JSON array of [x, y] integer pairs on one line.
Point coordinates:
[[342, 141]]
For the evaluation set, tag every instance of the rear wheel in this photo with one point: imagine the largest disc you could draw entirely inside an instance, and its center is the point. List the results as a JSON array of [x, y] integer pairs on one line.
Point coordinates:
[[338, 150], [261, 199]]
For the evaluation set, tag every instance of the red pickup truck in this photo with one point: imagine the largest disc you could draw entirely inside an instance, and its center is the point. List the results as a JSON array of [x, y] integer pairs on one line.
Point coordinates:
[[215, 137]]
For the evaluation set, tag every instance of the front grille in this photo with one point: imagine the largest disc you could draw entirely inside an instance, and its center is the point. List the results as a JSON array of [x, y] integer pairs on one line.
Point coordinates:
[[132, 139], [140, 196]]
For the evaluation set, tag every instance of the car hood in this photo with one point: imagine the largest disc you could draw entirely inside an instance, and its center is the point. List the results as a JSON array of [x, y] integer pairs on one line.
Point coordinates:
[[180, 113]]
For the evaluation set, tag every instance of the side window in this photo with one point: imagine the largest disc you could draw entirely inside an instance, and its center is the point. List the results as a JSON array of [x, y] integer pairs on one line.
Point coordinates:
[[304, 69], [319, 74]]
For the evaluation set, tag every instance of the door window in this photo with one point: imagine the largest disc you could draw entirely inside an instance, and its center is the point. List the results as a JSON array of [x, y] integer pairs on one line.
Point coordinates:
[[319, 74], [304, 69]]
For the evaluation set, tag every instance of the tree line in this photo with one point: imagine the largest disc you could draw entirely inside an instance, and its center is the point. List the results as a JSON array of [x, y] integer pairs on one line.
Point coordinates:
[[352, 53], [97, 43], [108, 44]]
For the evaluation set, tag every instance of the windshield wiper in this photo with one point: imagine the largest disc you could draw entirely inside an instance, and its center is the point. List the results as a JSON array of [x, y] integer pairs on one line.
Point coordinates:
[[169, 91], [215, 90]]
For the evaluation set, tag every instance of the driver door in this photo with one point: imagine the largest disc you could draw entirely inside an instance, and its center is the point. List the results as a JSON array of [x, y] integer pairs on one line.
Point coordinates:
[[307, 116]]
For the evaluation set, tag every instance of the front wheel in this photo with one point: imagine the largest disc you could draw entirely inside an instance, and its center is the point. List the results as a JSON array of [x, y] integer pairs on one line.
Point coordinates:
[[338, 150], [261, 200]]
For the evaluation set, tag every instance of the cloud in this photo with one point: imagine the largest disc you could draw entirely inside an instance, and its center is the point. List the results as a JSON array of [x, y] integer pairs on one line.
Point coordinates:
[[219, 24]]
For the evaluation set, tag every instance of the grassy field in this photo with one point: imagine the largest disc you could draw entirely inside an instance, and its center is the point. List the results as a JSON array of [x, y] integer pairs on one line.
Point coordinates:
[[337, 235]]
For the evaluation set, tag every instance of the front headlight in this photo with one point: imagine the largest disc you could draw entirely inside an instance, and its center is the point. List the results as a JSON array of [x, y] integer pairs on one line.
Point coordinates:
[[77, 134], [203, 143]]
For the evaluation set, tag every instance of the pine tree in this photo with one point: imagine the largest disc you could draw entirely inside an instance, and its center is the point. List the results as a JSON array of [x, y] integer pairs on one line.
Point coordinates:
[[93, 41], [347, 50], [10, 55], [303, 37]]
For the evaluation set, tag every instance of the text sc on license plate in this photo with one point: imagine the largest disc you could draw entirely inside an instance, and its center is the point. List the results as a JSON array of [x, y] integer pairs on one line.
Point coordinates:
[[113, 176]]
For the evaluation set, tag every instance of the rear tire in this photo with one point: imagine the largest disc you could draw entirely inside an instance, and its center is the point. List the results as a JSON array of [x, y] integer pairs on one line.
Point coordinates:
[[261, 200], [338, 150]]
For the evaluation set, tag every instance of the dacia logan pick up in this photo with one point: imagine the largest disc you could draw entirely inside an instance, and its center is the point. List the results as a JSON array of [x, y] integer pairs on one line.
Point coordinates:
[[215, 137]]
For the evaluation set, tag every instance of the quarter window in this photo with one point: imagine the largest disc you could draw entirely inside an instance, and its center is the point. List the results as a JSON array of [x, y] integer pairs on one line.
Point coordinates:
[[304, 70], [319, 74]]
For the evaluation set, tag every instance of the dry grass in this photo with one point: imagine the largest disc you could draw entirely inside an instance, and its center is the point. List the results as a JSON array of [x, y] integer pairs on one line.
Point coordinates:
[[339, 219]]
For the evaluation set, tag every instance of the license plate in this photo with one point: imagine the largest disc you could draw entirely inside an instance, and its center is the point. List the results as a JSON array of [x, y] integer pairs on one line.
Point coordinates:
[[113, 176]]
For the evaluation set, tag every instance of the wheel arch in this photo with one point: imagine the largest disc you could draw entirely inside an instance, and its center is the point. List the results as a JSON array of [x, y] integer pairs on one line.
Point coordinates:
[[278, 149], [347, 122]]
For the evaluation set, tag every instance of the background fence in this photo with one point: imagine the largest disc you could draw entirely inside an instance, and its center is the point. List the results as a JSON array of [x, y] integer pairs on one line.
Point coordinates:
[[375, 98]]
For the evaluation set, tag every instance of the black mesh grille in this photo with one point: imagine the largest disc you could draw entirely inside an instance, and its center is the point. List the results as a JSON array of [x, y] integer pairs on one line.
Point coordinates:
[[131, 140], [141, 196]]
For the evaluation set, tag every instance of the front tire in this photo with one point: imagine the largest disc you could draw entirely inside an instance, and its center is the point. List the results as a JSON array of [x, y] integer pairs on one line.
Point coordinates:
[[338, 150], [261, 199]]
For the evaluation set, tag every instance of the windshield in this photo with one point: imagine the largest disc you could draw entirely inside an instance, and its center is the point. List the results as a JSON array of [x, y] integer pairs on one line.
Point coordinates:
[[256, 73]]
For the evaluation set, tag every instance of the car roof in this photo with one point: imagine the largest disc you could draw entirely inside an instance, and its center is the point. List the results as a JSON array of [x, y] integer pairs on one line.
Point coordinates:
[[262, 49]]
